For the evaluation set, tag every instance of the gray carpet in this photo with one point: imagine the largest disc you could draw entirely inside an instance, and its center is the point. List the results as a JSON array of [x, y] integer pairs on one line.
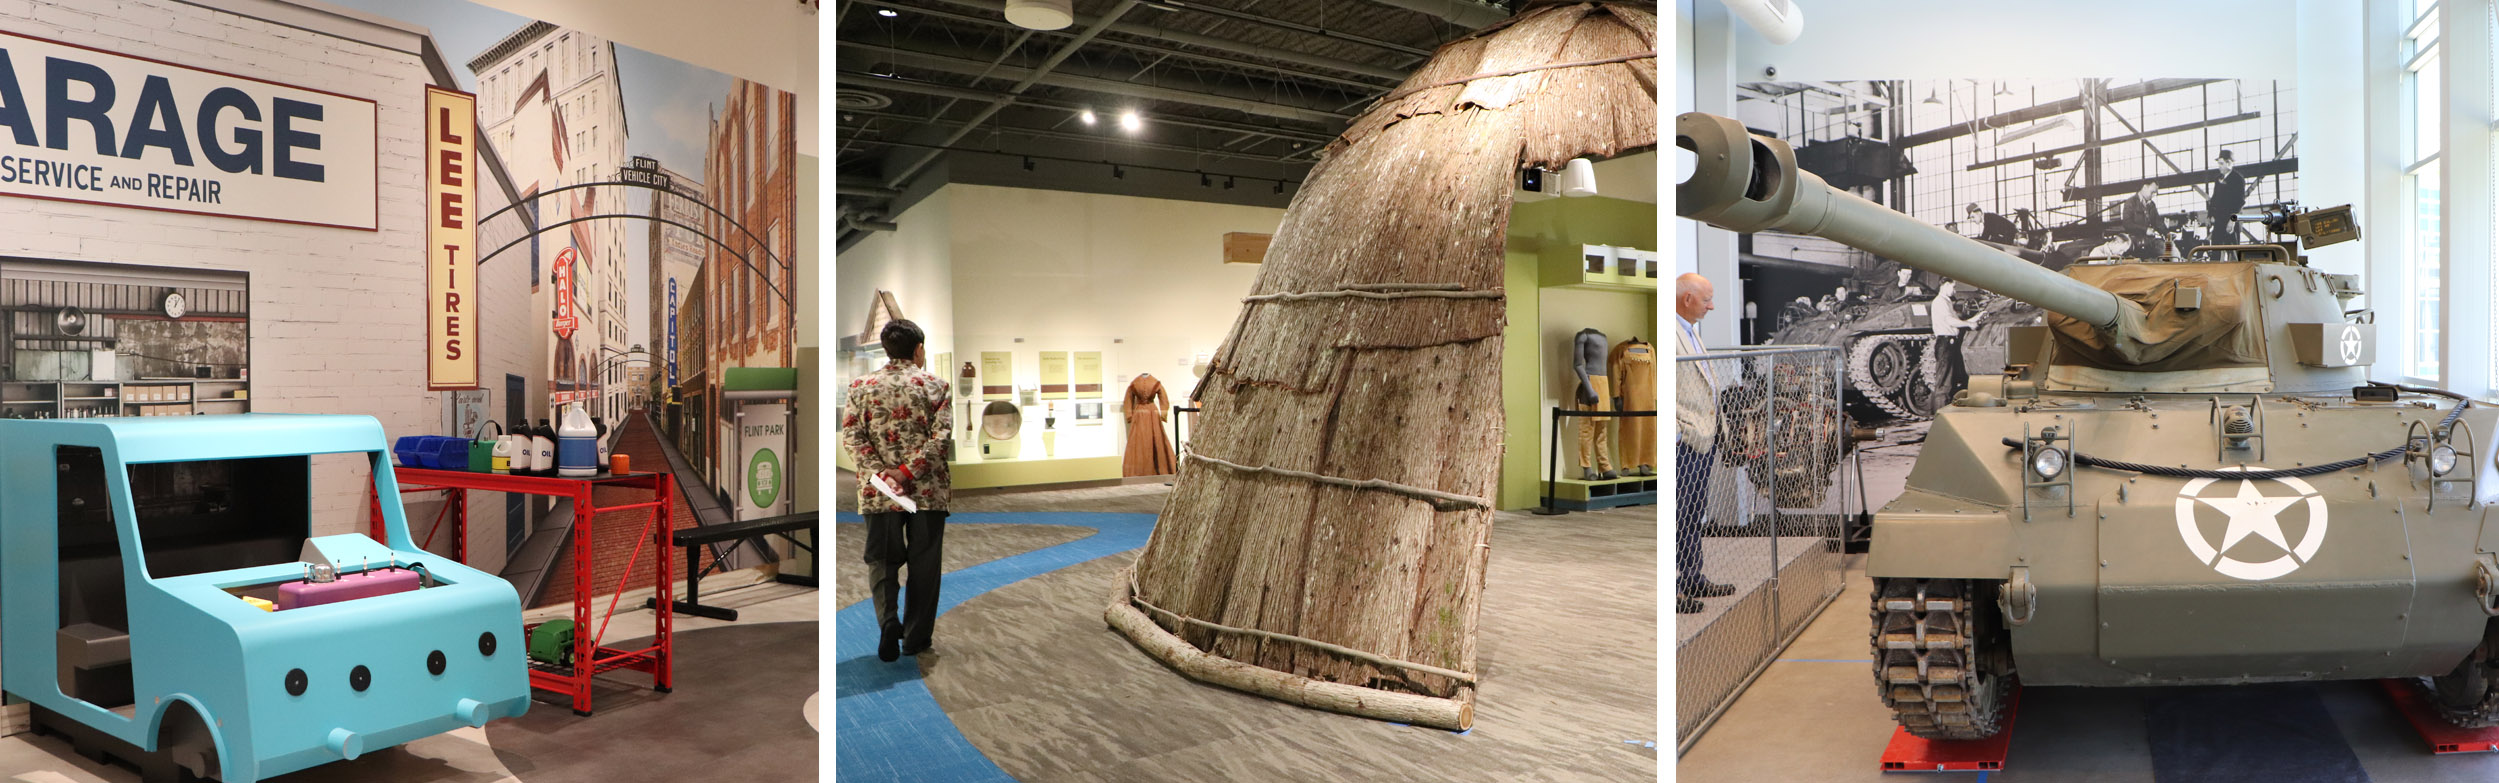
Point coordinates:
[[735, 715], [966, 546], [1568, 651]]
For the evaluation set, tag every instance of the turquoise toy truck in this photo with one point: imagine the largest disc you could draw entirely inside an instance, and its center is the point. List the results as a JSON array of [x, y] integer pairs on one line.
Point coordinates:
[[154, 576]]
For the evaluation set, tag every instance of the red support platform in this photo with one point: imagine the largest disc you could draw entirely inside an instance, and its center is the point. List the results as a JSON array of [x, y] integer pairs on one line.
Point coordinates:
[[2442, 737], [1909, 753], [589, 657]]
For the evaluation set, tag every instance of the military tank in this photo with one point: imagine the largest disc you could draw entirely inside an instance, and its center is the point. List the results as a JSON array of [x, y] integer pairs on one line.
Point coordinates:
[[1889, 352], [2115, 509]]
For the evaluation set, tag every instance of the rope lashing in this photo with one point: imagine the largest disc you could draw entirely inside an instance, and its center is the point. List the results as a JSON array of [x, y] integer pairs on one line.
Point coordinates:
[[1444, 501]]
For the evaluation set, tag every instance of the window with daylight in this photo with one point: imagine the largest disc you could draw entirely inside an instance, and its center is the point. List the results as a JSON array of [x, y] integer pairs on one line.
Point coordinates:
[[2424, 119]]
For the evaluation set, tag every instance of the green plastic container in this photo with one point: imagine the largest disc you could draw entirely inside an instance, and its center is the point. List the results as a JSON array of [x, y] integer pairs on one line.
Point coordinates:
[[482, 451], [551, 643]]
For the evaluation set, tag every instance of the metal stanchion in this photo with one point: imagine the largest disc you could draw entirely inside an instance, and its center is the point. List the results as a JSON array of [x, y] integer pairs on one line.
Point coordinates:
[[1554, 451]]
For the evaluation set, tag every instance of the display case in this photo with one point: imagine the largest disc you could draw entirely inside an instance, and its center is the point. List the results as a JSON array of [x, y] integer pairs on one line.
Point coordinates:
[[144, 397], [1601, 266]]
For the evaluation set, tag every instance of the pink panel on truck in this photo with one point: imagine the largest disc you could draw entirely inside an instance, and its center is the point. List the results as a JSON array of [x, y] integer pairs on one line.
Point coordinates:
[[349, 587]]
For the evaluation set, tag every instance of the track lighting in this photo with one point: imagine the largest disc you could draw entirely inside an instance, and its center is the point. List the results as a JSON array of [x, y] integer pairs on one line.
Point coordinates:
[[1117, 172], [1028, 163], [1227, 183], [1204, 181]]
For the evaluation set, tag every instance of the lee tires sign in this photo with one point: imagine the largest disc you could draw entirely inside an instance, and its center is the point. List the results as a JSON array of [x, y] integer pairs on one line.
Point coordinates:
[[86, 125], [451, 240]]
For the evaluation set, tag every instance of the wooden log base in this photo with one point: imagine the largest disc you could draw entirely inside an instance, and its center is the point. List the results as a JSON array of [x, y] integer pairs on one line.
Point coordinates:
[[1450, 714]]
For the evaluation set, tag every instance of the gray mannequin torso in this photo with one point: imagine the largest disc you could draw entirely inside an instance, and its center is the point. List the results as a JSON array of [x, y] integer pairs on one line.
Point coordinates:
[[1588, 359]]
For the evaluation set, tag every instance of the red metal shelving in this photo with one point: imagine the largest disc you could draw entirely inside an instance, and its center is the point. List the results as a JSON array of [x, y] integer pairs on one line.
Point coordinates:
[[589, 658]]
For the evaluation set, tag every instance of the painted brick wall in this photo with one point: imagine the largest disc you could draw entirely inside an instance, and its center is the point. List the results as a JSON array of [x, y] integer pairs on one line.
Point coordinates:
[[612, 545], [513, 345], [336, 312]]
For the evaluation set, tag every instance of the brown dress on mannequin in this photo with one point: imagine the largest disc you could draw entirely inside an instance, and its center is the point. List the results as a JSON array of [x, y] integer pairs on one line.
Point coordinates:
[[1149, 448]]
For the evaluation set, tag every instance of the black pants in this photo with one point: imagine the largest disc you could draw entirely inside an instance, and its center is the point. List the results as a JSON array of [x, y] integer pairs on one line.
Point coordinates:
[[1691, 513], [1956, 375], [897, 540]]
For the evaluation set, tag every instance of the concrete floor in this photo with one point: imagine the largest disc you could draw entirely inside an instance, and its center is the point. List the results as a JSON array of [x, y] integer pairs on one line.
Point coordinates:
[[1031, 676], [1814, 716], [587, 750]]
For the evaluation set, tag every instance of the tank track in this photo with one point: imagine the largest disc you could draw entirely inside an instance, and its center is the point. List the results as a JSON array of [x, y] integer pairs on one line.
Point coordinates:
[[2467, 697], [1941, 661], [1861, 372]]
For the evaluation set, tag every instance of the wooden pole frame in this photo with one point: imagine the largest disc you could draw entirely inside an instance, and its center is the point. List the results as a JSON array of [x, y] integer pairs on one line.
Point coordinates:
[[1453, 714]]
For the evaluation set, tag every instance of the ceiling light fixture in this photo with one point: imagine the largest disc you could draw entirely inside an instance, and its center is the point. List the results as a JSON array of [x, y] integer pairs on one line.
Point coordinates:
[[888, 13], [1579, 178], [1085, 116], [1041, 14], [1130, 122]]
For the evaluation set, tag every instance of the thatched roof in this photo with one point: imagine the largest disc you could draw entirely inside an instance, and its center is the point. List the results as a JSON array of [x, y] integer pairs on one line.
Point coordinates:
[[1339, 486]]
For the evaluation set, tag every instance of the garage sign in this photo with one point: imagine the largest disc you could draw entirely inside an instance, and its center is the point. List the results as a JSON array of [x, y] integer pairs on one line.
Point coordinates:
[[86, 125]]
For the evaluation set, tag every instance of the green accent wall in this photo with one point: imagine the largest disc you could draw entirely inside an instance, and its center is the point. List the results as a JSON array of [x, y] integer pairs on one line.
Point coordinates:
[[1027, 472], [1542, 232]]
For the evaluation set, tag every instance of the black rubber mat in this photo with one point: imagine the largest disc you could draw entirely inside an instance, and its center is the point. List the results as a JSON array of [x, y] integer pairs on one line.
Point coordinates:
[[2247, 734]]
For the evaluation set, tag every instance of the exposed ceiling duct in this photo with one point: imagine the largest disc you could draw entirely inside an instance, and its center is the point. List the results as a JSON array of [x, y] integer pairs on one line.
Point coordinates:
[[954, 90], [1469, 14], [1061, 77]]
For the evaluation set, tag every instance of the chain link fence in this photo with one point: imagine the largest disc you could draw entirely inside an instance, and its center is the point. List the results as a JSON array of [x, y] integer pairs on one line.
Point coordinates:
[[1765, 489]]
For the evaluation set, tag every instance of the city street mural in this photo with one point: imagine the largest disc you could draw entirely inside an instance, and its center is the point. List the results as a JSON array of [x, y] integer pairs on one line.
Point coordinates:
[[654, 204]]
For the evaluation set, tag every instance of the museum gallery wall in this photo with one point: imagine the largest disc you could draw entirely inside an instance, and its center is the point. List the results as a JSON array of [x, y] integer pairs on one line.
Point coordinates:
[[2050, 170], [1042, 273]]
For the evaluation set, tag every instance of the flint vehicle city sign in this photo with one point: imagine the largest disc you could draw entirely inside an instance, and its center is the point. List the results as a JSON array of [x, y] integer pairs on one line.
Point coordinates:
[[86, 125]]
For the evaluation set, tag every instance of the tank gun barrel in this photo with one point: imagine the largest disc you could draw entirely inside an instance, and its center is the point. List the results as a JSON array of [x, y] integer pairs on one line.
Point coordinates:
[[1745, 182]]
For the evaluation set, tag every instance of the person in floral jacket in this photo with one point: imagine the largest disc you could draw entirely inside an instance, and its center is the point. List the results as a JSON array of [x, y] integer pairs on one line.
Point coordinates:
[[895, 422]]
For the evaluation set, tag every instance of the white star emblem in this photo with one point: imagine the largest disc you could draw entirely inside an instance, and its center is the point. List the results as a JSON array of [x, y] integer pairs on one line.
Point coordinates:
[[2351, 345], [2252, 513]]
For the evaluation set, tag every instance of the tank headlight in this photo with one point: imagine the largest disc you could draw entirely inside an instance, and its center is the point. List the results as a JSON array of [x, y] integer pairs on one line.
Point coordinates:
[[2048, 462], [2442, 460]]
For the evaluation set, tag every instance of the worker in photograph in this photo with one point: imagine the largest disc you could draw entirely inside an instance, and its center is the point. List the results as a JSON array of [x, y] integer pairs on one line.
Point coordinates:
[[1950, 374], [895, 422], [2140, 215], [2229, 196], [1992, 227]]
